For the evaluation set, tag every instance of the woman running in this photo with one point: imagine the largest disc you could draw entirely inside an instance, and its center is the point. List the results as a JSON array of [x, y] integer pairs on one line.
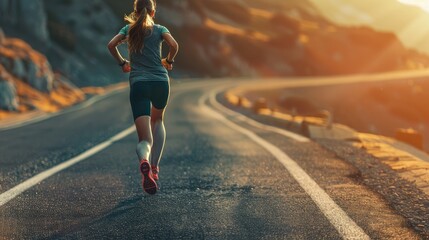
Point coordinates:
[[149, 83]]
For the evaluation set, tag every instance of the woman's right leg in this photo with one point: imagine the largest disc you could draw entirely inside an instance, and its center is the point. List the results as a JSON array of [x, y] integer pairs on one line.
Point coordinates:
[[159, 100], [158, 132]]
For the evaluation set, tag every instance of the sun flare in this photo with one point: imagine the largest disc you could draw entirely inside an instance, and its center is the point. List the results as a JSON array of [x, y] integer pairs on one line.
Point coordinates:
[[424, 4]]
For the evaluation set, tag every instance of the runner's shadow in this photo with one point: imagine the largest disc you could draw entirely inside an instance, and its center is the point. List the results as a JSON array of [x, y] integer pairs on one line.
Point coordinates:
[[121, 208]]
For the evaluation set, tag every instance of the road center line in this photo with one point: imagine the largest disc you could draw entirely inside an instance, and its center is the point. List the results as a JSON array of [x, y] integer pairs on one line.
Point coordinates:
[[345, 226]]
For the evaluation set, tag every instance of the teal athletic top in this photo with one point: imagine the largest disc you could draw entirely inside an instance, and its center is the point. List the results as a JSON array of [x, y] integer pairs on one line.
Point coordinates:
[[146, 66]]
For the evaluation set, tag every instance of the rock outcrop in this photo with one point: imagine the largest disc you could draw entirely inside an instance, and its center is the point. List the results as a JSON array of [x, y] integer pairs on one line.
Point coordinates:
[[8, 99], [82, 34], [27, 80], [72, 34], [26, 64], [8, 95]]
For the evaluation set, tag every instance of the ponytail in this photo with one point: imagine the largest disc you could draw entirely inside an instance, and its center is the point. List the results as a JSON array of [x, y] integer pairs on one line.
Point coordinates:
[[141, 24]]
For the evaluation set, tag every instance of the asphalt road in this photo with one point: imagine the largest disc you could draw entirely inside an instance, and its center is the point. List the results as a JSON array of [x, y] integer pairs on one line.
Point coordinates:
[[222, 177]]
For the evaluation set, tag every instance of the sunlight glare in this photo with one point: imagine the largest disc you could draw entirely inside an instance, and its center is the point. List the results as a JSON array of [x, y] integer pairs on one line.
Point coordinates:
[[424, 4]]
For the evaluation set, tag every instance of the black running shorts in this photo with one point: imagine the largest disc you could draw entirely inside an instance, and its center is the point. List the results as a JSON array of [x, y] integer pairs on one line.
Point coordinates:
[[144, 95]]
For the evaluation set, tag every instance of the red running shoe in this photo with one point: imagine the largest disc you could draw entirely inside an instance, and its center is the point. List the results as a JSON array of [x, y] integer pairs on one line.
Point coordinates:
[[155, 171], [149, 184]]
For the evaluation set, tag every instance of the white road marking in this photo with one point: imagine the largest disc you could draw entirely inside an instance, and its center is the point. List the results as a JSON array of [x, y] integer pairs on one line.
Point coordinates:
[[29, 183], [345, 226], [254, 123]]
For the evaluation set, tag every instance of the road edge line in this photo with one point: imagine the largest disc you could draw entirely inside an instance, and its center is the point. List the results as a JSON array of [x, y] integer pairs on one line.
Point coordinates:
[[29, 183], [254, 123], [345, 226]]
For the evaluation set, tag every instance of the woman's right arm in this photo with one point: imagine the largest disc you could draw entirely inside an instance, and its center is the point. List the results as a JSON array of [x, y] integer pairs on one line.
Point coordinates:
[[174, 49], [113, 49]]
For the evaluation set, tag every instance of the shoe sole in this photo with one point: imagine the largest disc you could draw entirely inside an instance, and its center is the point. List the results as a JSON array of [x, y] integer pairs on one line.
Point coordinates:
[[149, 184]]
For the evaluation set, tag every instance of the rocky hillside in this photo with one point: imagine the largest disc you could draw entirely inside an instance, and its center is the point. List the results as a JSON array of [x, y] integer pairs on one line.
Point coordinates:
[[27, 81], [218, 38], [295, 40], [69, 38], [274, 38], [73, 34]]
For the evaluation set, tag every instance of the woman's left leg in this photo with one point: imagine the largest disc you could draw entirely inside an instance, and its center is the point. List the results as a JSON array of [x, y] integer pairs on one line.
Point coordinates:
[[143, 151], [140, 104]]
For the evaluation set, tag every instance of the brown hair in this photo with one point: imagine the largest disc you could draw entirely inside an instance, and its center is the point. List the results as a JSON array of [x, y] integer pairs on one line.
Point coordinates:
[[141, 24]]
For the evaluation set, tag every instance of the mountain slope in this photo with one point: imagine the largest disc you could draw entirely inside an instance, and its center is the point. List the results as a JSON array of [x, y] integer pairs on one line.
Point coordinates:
[[408, 22], [218, 38], [73, 34], [248, 38]]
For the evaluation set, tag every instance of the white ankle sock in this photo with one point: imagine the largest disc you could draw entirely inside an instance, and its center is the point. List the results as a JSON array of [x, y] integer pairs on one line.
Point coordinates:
[[143, 150]]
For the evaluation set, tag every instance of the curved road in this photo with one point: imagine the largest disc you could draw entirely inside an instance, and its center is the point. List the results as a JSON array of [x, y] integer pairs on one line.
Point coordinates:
[[222, 177]]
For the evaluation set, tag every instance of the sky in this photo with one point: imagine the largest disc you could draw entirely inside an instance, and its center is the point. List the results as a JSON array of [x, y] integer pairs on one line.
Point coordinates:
[[424, 4]]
